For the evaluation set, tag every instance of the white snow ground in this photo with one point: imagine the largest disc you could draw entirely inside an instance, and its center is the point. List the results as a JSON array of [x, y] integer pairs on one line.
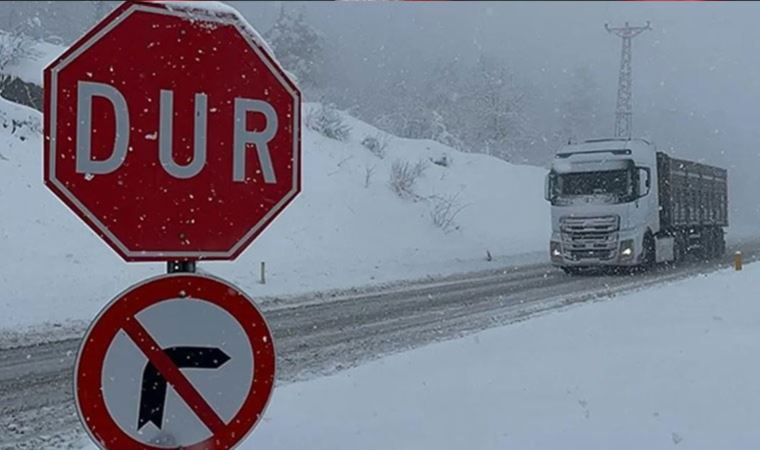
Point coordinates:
[[670, 367], [337, 233]]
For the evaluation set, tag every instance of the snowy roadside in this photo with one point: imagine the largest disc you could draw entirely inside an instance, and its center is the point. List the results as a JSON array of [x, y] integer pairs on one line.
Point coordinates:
[[49, 331], [348, 229], [673, 365]]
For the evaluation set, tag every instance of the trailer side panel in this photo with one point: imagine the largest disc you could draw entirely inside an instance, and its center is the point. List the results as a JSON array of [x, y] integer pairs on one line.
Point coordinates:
[[691, 194]]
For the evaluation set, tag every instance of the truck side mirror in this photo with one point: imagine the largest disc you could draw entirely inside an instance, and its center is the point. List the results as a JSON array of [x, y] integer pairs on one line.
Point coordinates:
[[549, 186], [644, 181]]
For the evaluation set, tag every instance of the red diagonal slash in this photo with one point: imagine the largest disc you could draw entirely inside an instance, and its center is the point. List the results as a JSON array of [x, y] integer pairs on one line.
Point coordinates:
[[173, 375]]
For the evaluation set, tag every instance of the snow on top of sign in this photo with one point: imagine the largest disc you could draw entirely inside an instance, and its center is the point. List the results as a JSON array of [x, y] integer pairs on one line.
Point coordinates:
[[210, 6], [218, 9]]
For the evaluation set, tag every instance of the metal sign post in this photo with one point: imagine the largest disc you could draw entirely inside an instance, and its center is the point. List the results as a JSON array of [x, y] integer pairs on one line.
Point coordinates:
[[174, 134]]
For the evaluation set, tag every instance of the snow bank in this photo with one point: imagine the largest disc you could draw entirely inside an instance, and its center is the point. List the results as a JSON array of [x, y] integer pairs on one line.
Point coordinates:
[[337, 234], [673, 366]]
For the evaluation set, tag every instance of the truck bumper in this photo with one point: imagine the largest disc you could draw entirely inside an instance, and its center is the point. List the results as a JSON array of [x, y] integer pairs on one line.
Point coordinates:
[[623, 248]]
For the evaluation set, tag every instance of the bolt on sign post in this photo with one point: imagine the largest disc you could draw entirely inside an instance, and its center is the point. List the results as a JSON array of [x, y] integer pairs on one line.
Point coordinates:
[[174, 134]]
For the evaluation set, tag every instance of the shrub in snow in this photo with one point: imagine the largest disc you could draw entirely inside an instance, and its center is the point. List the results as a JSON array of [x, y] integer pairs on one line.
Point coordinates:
[[404, 175], [368, 172], [443, 160], [22, 125], [440, 132], [377, 144], [445, 210], [327, 121], [20, 121]]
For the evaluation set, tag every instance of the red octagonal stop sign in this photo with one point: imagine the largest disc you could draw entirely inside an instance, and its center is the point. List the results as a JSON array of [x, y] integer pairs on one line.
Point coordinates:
[[172, 132]]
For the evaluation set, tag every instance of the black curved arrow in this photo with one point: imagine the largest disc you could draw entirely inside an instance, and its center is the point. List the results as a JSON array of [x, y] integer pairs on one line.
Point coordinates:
[[153, 392]]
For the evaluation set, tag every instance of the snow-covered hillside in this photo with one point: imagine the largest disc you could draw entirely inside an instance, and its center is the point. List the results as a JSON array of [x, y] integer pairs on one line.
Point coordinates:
[[29, 67], [346, 229]]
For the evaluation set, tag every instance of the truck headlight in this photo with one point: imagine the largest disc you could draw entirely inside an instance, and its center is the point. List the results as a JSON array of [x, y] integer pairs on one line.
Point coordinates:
[[555, 250], [626, 249]]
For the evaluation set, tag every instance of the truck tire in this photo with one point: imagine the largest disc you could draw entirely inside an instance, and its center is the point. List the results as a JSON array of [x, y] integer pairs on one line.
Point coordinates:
[[718, 242], [707, 241], [679, 250], [721, 243], [648, 257]]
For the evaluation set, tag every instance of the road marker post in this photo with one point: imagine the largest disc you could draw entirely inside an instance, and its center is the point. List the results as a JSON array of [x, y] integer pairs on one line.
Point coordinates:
[[738, 260]]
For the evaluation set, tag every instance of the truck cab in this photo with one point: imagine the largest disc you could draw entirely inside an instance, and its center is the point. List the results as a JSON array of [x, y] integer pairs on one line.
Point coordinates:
[[604, 204]]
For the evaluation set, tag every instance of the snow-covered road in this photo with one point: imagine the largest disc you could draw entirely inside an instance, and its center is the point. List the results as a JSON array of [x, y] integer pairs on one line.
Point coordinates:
[[320, 338], [672, 367]]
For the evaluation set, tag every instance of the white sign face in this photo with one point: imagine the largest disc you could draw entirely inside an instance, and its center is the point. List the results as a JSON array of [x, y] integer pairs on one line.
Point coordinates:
[[212, 351], [179, 361]]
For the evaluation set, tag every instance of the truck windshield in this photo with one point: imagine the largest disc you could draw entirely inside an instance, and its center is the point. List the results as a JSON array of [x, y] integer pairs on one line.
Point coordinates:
[[616, 185]]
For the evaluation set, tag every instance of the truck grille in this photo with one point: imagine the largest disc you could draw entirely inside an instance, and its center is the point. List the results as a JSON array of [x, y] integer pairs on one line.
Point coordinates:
[[593, 238]]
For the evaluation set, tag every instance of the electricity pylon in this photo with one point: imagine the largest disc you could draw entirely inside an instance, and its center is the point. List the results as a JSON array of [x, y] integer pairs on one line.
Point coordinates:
[[623, 109]]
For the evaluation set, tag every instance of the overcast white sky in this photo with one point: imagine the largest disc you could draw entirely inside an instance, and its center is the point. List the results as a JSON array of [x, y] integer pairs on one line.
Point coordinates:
[[696, 74]]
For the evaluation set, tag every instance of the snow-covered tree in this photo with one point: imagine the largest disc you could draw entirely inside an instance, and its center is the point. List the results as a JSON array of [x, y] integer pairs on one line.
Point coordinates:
[[401, 110], [442, 96], [20, 26], [440, 132], [480, 108], [493, 105], [578, 111], [299, 48], [13, 46]]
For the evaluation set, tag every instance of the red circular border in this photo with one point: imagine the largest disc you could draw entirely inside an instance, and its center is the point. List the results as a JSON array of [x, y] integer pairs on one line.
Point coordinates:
[[91, 406]]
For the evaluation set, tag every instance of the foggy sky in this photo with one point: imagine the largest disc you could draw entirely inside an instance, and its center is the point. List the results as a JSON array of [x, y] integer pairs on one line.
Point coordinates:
[[696, 88], [699, 58]]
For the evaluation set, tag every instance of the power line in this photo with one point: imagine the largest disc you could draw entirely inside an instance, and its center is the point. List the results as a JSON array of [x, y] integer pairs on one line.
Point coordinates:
[[624, 109]]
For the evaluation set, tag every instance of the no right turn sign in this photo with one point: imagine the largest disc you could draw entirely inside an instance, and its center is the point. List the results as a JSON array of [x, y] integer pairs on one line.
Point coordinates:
[[179, 361]]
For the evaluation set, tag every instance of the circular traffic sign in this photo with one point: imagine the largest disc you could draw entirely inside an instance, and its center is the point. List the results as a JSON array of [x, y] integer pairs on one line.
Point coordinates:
[[178, 361], [172, 131]]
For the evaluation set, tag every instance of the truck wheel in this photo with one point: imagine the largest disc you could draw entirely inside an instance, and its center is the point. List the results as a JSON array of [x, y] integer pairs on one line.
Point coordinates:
[[678, 250], [721, 243], [711, 243], [718, 242], [648, 259], [706, 241]]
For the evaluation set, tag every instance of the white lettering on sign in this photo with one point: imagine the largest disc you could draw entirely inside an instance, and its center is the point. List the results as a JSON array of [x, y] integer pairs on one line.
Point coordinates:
[[85, 93], [242, 137], [260, 139], [166, 121]]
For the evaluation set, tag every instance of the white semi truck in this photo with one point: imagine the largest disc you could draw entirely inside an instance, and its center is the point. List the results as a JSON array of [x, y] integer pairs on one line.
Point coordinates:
[[621, 203]]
